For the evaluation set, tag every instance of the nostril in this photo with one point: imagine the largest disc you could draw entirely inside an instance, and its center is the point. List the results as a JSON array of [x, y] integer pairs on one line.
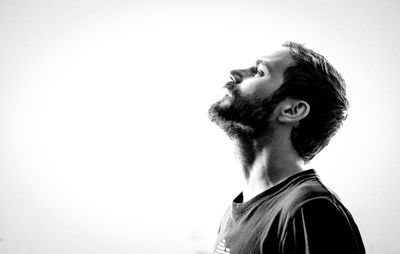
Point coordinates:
[[236, 77]]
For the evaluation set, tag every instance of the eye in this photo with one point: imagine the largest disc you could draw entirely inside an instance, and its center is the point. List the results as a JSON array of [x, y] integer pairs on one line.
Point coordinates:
[[260, 72], [260, 69]]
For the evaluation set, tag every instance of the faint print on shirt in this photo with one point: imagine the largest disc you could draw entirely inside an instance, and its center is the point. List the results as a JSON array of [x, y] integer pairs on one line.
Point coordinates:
[[221, 249]]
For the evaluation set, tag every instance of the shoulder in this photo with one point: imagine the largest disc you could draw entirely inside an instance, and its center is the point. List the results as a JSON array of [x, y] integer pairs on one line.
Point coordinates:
[[319, 223], [308, 192]]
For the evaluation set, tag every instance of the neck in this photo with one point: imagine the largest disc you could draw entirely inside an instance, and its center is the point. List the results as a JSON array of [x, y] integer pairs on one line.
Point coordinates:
[[265, 166]]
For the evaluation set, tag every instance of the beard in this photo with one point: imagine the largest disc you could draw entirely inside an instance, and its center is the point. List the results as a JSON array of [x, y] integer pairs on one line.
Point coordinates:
[[241, 117]]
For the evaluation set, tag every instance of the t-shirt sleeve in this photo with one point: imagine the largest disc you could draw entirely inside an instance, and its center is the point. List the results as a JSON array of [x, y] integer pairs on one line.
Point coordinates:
[[319, 226]]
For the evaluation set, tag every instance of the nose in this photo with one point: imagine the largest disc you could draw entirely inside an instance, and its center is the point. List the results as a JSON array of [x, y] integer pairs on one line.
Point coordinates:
[[239, 75]]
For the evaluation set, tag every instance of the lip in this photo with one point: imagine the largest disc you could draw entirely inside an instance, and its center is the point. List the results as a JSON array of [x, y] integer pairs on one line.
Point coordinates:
[[229, 86], [229, 92]]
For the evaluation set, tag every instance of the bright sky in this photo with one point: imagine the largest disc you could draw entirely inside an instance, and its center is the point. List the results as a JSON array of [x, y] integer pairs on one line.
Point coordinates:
[[105, 143]]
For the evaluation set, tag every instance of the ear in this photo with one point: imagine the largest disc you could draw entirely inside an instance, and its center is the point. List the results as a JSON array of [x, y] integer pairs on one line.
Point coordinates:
[[292, 111]]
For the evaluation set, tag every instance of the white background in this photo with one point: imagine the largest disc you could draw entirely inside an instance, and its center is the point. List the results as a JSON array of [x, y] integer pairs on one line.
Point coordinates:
[[105, 143]]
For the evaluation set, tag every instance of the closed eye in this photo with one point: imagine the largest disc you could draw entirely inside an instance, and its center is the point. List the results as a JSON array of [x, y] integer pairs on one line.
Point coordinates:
[[260, 68]]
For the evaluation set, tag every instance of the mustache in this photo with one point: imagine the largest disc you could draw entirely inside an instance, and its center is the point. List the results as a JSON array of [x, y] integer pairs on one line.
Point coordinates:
[[230, 85]]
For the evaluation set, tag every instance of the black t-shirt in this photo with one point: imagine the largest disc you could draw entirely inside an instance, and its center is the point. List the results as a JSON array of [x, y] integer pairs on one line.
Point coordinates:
[[297, 216]]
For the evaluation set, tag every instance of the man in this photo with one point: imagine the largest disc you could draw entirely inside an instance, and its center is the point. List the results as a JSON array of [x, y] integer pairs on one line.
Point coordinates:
[[280, 113]]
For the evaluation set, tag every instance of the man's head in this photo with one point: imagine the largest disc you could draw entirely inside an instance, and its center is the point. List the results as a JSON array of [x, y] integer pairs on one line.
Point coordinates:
[[293, 87]]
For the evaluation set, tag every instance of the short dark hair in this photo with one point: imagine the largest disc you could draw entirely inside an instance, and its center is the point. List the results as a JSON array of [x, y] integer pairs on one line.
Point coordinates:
[[313, 79]]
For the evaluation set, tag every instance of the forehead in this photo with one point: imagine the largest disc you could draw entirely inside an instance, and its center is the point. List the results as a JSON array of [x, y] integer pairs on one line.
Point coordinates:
[[279, 59]]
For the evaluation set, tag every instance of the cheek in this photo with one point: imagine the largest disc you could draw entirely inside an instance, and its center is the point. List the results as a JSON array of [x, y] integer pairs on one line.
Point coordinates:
[[260, 88], [251, 87]]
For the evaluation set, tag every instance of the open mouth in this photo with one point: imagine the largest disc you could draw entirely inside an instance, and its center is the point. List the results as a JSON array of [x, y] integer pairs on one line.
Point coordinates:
[[229, 92], [229, 87]]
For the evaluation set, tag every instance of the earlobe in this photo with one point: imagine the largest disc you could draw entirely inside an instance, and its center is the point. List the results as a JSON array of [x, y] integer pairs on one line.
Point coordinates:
[[293, 111]]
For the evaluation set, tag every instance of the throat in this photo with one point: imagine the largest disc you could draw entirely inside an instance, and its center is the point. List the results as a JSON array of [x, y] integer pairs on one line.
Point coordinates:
[[267, 170], [254, 188], [266, 162]]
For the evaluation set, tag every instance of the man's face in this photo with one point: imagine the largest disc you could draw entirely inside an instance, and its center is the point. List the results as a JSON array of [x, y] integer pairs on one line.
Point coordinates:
[[247, 107]]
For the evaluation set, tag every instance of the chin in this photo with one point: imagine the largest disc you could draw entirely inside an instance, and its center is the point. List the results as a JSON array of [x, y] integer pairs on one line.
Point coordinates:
[[219, 108]]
